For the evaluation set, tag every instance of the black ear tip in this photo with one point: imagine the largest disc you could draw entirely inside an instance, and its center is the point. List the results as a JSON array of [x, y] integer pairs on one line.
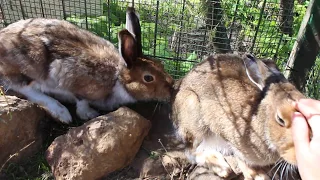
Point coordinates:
[[132, 15], [130, 9], [250, 56]]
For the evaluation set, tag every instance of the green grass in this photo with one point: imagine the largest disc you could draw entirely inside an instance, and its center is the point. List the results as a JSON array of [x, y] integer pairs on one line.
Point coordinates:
[[313, 83], [35, 168]]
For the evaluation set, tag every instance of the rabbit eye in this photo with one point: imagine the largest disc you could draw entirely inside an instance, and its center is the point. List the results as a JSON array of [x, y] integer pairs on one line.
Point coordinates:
[[148, 78], [280, 121]]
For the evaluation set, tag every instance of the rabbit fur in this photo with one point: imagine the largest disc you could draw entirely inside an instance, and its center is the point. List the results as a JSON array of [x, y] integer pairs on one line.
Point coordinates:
[[41, 57], [235, 105]]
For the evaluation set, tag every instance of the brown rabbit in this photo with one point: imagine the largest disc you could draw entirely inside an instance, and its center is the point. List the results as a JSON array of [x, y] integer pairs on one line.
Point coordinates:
[[49, 56], [235, 105]]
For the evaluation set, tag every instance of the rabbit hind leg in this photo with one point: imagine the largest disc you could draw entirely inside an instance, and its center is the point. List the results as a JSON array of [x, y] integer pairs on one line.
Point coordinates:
[[52, 106], [83, 110]]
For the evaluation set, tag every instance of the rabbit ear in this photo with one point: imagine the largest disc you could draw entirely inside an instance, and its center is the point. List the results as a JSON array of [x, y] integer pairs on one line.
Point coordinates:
[[133, 26], [258, 71], [127, 47]]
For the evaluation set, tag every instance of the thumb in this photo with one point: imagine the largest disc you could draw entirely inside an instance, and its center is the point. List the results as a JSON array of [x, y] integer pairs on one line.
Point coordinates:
[[300, 133]]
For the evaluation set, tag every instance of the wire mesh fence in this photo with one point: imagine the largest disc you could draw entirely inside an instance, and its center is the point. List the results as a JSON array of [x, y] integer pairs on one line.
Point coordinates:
[[312, 87], [180, 32]]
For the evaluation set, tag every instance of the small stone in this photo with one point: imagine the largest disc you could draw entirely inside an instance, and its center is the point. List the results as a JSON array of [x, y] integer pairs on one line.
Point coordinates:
[[20, 132]]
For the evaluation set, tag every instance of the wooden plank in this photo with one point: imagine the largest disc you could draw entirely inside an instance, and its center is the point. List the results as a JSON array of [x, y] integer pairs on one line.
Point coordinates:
[[305, 59], [316, 18], [304, 52], [316, 22]]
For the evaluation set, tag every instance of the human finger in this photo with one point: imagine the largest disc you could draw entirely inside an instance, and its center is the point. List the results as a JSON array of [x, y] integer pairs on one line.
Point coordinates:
[[310, 109], [300, 132], [308, 106]]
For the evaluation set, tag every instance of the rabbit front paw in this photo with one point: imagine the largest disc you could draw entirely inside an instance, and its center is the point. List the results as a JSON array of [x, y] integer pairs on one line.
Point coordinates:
[[59, 112], [221, 171], [215, 161], [261, 176], [85, 112], [251, 173], [219, 166], [257, 175]]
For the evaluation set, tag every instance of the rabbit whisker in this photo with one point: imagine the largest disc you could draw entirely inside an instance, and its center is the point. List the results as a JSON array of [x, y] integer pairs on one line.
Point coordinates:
[[283, 170], [292, 169], [287, 170], [276, 164], [155, 109], [276, 170]]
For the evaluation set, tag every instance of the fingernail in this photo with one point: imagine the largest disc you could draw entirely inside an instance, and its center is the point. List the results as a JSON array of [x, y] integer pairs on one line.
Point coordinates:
[[297, 114]]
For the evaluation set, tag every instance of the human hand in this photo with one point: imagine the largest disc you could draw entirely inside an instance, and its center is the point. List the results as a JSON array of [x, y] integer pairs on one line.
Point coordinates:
[[307, 148]]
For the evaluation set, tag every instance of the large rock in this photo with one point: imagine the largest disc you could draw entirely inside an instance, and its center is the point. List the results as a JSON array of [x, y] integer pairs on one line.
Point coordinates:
[[100, 146], [20, 132]]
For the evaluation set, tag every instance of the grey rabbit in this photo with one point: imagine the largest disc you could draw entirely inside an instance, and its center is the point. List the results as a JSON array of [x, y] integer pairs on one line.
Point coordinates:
[[41, 57]]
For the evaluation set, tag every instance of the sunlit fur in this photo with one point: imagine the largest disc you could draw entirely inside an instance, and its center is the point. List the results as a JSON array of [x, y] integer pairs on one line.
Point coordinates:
[[217, 97]]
